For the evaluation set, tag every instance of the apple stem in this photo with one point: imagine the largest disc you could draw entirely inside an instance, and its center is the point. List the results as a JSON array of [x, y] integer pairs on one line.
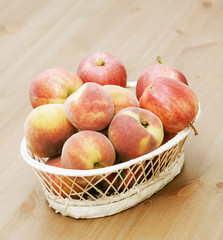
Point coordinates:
[[195, 130], [158, 59], [100, 63], [145, 124]]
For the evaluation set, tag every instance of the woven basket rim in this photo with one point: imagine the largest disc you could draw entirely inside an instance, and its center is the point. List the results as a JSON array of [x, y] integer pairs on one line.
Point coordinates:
[[114, 168], [107, 207]]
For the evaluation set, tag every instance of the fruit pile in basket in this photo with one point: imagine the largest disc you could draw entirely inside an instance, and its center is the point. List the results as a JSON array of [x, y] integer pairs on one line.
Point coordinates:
[[90, 120]]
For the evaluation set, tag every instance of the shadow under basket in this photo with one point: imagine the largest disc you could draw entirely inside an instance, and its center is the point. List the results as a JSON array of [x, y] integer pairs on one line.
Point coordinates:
[[110, 190]]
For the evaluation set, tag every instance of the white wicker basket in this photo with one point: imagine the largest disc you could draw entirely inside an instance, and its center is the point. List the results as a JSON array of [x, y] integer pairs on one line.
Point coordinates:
[[109, 190]]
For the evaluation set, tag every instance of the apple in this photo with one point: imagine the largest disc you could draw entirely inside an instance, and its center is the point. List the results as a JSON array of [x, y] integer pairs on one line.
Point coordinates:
[[90, 108], [87, 150], [60, 185], [134, 132], [154, 71], [53, 86], [102, 68], [46, 129], [121, 97], [172, 101]]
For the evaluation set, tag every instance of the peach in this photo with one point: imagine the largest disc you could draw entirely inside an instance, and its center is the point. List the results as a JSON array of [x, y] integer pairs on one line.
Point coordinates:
[[46, 129], [90, 108], [87, 150], [121, 97], [53, 86], [135, 132], [60, 185]]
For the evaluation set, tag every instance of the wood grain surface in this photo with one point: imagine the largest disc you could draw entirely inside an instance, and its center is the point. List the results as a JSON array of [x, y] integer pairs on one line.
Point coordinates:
[[37, 35]]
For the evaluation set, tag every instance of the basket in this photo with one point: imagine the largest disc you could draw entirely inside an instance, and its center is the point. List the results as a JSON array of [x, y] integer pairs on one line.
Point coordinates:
[[107, 191]]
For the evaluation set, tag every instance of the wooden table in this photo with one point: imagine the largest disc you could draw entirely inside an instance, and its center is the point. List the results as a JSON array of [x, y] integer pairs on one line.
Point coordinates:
[[37, 35]]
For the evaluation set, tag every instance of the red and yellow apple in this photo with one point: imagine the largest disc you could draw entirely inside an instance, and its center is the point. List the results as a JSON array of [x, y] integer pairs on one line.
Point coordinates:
[[172, 101], [154, 71], [53, 86], [46, 129], [121, 97], [102, 68], [90, 108], [87, 150], [58, 184], [134, 132]]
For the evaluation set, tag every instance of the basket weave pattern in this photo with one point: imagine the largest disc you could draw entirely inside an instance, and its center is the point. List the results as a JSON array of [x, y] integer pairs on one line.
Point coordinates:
[[106, 186], [107, 191], [123, 185]]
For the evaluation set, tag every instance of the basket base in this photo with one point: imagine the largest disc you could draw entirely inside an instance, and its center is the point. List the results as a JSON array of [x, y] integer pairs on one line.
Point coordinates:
[[101, 208]]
